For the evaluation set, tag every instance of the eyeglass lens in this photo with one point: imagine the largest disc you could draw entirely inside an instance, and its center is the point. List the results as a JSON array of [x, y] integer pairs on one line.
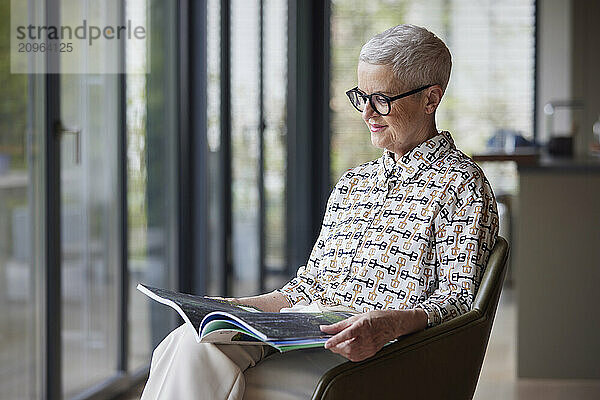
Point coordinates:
[[378, 102]]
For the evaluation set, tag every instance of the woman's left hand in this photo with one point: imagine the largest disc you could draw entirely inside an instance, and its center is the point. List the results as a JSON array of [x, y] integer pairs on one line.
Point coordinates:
[[361, 336]]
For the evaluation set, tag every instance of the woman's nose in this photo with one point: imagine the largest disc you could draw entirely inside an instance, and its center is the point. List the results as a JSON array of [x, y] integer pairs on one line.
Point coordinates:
[[368, 111]]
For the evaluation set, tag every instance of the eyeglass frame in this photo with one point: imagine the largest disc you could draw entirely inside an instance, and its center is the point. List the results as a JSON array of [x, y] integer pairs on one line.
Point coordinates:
[[387, 98]]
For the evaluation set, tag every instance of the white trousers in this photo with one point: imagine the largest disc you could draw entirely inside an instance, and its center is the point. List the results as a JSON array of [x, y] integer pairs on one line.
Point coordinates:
[[183, 369]]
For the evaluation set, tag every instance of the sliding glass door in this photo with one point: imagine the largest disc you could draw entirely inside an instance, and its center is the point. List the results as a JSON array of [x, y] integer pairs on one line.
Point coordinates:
[[90, 211], [88, 197], [90, 230]]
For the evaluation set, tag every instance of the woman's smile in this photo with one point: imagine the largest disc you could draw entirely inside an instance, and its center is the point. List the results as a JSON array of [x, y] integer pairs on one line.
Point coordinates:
[[376, 127]]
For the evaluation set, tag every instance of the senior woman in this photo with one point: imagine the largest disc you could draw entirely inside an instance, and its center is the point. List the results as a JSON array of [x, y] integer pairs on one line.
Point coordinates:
[[403, 242]]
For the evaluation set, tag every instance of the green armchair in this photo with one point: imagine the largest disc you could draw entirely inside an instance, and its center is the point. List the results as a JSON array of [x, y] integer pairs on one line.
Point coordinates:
[[442, 362]]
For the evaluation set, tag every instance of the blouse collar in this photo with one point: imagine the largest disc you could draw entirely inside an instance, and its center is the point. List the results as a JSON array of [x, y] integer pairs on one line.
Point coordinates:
[[417, 159]]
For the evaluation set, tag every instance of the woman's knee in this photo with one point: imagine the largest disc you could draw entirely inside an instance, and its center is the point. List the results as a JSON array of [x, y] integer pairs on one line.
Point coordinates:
[[171, 340]]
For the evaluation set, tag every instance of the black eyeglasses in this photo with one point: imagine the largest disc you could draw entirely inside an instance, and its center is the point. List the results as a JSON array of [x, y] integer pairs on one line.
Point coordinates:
[[381, 103]]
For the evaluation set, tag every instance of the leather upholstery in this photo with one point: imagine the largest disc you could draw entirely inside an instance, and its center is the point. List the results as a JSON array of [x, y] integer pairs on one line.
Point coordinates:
[[442, 362]]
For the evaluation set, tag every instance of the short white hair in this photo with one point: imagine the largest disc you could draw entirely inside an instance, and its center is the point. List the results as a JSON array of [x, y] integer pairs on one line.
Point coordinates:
[[418, 57]]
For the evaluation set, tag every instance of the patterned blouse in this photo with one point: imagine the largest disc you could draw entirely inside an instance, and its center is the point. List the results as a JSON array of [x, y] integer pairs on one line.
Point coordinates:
[[411, 234]]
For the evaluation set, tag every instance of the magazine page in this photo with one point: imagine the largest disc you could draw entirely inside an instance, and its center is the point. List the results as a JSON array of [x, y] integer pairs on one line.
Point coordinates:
[[223, 332], [192, 308], [289, 326]]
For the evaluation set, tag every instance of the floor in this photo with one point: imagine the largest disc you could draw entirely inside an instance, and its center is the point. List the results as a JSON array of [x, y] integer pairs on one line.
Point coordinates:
[[498, 375], [498, 379]]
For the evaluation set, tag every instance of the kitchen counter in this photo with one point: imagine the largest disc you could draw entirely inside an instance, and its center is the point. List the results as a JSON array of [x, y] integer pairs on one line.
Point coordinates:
[[557, 268]]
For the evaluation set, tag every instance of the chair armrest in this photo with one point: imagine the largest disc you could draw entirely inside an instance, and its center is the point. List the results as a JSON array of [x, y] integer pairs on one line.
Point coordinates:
[[409, 366]]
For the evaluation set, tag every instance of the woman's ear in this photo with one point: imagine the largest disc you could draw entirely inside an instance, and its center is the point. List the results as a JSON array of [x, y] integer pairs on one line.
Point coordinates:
[[433, 96]]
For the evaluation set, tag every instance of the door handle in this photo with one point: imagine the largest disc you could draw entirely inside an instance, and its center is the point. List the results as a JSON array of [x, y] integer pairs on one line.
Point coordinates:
[[61, 130]]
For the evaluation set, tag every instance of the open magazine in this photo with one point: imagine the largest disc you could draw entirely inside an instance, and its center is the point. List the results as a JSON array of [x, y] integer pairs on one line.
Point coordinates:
[[219, 321]]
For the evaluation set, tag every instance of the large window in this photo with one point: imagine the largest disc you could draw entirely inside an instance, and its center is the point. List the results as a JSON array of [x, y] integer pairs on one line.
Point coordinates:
[[152, 126], [274, 102], [69, 243], [492, 83], [247, 142]]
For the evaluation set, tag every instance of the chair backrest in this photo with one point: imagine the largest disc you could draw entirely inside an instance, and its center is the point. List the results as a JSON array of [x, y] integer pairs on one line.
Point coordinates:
[[450, 355], [486, 300]]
